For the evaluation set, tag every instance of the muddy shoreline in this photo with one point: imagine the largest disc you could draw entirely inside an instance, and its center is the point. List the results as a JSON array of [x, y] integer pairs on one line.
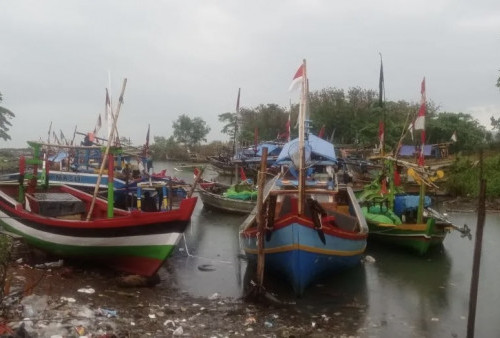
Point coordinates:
[[73, 300]]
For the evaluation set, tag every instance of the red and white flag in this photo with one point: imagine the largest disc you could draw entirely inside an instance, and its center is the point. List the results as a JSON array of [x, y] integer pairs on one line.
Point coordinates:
[[298, 78], [420, 124], [420, 120]]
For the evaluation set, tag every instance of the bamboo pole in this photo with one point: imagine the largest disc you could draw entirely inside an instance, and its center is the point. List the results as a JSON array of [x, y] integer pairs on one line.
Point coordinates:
[[195, 183], [261, 219], [104, 160]]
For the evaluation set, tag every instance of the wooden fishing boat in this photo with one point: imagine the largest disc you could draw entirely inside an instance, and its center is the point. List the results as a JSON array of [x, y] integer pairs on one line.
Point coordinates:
[[393, 215], [234, 199], [399, 218], [312, 227], [70, 223]]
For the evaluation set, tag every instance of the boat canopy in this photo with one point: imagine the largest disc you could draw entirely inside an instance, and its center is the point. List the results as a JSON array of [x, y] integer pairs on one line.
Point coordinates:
[[58, 157], [320, 151]]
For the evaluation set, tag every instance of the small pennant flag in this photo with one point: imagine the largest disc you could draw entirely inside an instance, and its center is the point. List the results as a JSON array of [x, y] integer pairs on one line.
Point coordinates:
[[107, 106], [321, 132], [242, 174], [381, 133], [454, 136], [297, 78]]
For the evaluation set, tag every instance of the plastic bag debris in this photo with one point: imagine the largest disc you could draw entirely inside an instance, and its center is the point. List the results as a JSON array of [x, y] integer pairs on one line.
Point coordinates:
[[250, 320], [106, 312], [57, 264], [214, 296], [68, 299], [178, 331], [369, 259], [86, 290]]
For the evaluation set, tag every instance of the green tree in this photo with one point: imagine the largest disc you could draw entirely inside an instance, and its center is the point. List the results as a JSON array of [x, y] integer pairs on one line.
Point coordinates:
[[163, 149], [230, 124], [190, 132], [268, 121], [5, 116], [495, 123]]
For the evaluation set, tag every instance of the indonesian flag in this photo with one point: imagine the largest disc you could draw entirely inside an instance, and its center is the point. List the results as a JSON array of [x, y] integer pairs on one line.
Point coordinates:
[[297, 78], [420, 124], [420, 120]]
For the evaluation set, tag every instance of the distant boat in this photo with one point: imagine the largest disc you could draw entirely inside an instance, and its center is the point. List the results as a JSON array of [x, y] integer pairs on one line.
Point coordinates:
[[312, 227], [226, 198], [60, 220]]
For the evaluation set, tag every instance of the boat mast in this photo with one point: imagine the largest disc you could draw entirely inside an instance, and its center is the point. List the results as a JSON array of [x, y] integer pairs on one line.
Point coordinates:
[[235, 136], [105, 158], [302, 159]]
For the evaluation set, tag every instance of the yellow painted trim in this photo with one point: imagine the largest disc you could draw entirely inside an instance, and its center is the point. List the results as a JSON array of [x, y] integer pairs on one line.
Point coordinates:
[[307, 249]]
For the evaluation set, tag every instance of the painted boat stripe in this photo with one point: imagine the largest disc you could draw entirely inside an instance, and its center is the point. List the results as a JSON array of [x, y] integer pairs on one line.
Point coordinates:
[[153, 239]]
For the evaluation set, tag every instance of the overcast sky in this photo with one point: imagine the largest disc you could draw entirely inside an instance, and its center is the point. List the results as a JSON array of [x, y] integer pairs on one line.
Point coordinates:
[[190, 57]]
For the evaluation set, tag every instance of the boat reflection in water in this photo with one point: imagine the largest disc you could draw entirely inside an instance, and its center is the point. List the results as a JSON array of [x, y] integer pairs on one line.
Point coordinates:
[[421, 283], [344, 294]]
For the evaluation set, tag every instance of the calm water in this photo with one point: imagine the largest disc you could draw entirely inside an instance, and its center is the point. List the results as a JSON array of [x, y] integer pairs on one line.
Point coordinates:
[[397, 295]]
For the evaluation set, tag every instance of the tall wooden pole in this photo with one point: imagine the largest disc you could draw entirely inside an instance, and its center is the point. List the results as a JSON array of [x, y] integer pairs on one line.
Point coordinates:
[[261, 219], [481, 216], [110, 138], [302, 159]]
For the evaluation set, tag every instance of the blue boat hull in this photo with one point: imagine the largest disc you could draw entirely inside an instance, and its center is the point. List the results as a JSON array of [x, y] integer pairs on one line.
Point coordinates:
[[297, 252]]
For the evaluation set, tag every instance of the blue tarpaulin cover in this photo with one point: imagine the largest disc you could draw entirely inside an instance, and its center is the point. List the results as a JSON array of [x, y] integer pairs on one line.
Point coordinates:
[[318, 147], [58, 157], [413, 150]]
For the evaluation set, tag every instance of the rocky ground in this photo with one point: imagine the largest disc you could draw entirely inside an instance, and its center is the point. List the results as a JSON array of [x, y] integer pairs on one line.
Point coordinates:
[[54, 299]]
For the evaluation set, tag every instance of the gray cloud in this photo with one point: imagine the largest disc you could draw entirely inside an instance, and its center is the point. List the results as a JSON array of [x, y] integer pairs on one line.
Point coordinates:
[[192, 56]]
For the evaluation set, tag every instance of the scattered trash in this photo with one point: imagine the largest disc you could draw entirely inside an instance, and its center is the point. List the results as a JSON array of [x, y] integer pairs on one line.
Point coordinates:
[[106, 312], [57, 264], [178, 331], [86, 290], [214, 296], [80, 330], [268, 324], [28, 311], [435, 319], [169, 322], [152, 316], [5, 329], [68, 299], [250, 320], [369, 259]]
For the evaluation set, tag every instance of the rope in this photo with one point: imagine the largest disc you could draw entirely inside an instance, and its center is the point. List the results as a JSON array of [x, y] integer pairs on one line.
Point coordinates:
[[194, 256]]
